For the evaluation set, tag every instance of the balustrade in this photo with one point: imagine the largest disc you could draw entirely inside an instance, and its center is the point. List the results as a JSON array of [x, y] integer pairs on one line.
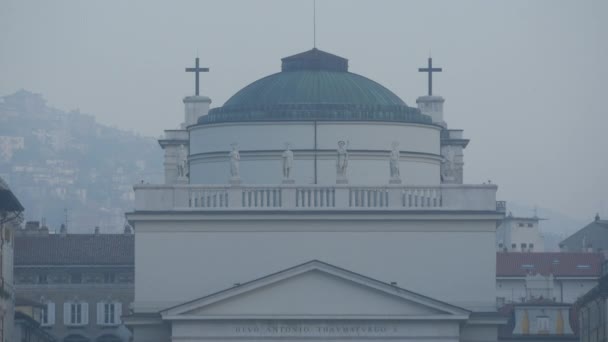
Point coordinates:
[[303, 197]]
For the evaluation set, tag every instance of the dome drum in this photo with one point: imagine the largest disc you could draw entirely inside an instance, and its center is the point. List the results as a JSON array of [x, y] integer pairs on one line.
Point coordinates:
[[311, 105]]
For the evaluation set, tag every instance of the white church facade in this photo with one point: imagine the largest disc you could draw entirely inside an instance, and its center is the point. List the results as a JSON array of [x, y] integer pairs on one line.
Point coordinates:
[[313, 205]]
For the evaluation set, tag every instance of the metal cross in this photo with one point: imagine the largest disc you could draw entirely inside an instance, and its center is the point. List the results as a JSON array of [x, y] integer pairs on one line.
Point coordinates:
[[430, 71], [196, 70]]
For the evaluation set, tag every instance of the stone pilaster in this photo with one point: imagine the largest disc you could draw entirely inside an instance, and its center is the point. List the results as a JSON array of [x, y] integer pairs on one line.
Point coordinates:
[[452, 140], [452, 151]]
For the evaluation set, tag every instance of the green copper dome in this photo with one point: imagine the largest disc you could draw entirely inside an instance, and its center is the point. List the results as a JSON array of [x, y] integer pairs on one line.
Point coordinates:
[[314, 85]]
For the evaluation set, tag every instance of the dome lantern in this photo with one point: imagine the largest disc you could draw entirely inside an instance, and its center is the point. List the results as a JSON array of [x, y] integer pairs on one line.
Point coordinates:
[[314, 59]]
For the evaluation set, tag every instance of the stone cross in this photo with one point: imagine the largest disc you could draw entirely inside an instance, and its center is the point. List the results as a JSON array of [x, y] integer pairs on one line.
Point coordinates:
[[196, 70], [430, 71]]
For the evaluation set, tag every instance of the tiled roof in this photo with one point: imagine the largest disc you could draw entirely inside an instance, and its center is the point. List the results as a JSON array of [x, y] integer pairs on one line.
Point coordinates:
[[594, 235], [558, 264], [75, 249]]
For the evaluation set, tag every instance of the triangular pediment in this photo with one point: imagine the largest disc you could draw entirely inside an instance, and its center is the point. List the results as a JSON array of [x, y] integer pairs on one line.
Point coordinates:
[[315, 290]]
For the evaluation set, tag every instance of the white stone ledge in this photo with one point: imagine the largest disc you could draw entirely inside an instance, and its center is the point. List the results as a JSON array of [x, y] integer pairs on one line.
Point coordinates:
[[188, 197]]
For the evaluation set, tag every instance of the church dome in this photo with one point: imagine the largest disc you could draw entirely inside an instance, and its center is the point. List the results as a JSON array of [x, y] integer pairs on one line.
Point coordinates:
[[314, 85]]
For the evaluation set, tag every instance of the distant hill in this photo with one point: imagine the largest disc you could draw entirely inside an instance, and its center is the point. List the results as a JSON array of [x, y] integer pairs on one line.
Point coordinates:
[[55, 160]]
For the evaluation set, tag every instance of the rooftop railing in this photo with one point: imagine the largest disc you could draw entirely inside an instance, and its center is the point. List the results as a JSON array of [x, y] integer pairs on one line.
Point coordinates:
[[316, 197]]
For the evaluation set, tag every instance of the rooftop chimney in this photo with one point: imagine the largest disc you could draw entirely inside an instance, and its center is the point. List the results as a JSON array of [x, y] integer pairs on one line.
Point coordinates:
[[63, 230]]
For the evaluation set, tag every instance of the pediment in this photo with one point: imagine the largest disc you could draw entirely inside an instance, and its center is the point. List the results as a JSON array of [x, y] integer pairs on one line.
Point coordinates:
[[315, 290]]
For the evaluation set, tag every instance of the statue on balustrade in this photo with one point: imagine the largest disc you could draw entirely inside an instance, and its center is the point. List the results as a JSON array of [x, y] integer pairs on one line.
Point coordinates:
[[448, 166], [182, 162], [342, 162], [287, 161], [394, 164], [235, 158]]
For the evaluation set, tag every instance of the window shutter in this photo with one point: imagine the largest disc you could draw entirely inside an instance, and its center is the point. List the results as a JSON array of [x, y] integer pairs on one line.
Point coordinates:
[[118, 312], [99, 313], [85, 313], [66, 313], [50, 309]]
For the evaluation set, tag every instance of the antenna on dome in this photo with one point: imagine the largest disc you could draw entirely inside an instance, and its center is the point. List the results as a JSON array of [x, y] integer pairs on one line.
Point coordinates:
[[314, 24]]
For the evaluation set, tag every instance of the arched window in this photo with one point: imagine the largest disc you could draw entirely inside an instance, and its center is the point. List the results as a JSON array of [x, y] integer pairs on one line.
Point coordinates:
[[108, 338], [75, 338]]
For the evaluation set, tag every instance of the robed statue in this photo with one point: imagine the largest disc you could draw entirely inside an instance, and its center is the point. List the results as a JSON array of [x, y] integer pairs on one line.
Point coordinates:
[[342, 160], [394, 161], [235, 158], [287, 161], [182, 162]]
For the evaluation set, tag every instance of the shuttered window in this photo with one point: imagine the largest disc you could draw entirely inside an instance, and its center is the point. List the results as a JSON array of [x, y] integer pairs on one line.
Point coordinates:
[[76, 313]]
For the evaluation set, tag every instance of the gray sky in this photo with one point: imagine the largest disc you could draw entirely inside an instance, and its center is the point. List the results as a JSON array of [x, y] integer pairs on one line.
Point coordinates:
[[526, 80]]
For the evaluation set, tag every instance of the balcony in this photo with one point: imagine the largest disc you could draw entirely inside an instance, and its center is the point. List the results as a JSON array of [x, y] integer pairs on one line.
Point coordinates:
[[191, 197]]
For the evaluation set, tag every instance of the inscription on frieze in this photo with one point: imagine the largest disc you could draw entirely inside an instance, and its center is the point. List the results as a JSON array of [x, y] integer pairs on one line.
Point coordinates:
[[316, 330]]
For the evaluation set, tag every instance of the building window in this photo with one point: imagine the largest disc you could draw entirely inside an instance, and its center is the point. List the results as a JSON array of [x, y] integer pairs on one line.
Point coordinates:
[[76, 313], [530, 225], [43, 279], [47, 315], [520, 224], [109, 316], [542, 324], [108, 313], [44, 316], [109, 278], [513, 246], [523, 246], [531, 246]]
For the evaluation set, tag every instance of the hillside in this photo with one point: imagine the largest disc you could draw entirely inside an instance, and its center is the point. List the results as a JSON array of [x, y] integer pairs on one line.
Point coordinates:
[[56, 160]]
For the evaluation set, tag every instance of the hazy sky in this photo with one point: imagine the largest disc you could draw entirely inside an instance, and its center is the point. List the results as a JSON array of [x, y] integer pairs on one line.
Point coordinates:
[[526, 80]]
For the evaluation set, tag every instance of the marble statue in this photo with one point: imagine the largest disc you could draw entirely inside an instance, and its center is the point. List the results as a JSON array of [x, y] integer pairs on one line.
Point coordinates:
[[182, 162], [394, 164], [342, 161], [235, 158], [447, 167], [287, 160], [394, 160]]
